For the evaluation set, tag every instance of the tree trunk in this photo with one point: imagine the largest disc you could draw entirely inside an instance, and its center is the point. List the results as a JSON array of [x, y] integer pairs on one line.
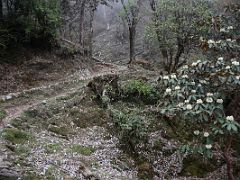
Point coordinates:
[[227, 157], [1, 10], [81, 23], [164, 51], [90, 42], [132, 14], [132, 34], [180, 51]]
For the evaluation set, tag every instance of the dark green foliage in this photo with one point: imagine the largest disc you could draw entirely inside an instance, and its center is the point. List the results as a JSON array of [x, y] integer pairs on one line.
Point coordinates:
[[86, 151], [140, 90], [53, 148], [28, 23], [197, 167], [63, 130], [2, 114], [132, 130], [16, 136]]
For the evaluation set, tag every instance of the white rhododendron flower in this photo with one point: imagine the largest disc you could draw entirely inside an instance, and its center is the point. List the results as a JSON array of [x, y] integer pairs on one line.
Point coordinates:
[[180, 105], [168, 90], [235, 63], [199, 101], [229, 40], [193, 91], [193, 83], [210, 41], [165, 77], [230, 28], [222, 30], [206, 134], [237, 77], [203, 81], [173, 76], [208, 146], [185, 67], [177, 88], [197, 132], [230, 118], [194, 64], [185, 76], [220, 59], [209, 94], [209, 100], [189, 107], [219, 101], [228, 67], [186, 101]]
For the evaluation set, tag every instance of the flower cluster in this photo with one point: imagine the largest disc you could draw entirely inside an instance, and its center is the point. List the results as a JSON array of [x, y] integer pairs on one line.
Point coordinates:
[[230, 118], [190, 95]]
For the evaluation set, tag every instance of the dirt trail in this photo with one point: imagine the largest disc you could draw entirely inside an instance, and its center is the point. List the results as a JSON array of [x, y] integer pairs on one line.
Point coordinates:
[[14, 111], [64, 161]]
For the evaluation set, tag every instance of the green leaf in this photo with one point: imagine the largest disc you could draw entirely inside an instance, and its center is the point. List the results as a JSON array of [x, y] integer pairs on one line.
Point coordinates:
[[205, 117], [229, 127], [234, 127]]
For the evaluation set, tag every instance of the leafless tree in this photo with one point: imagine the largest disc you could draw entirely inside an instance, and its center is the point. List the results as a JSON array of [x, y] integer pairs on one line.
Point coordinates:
[[77, 25]]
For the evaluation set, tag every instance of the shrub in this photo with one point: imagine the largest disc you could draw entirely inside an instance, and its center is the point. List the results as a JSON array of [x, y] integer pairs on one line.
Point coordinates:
[[2, 114], [29, 23], [86, 151], [197, 94], [140, 90], [16, 136], [132, 130]]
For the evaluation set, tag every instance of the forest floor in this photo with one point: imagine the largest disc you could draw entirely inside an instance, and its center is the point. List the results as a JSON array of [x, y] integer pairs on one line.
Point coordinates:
[[56, 130], [53, 153]]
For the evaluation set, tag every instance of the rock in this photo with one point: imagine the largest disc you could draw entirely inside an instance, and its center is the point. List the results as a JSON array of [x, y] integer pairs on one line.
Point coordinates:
[[9, 126], [8, 97], [87, 173], [100, 83], [8, 174]]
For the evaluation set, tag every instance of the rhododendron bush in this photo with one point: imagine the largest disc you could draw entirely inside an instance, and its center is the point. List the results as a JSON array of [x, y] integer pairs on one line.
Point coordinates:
[[192, 93], [197, 93]]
